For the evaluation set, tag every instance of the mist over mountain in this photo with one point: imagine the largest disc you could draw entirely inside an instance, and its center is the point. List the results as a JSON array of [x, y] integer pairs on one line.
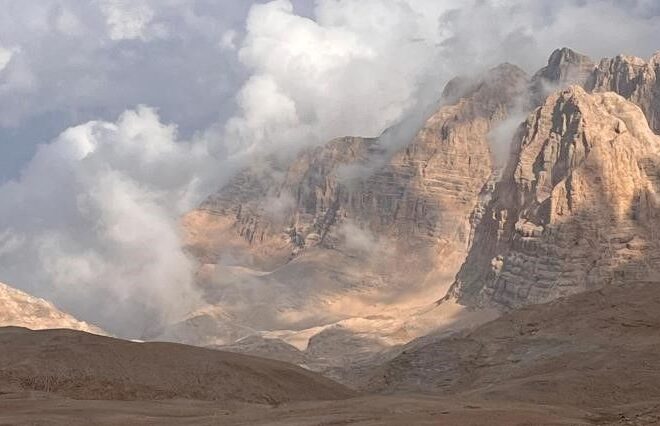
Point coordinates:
[[333, 211], [90, 209]]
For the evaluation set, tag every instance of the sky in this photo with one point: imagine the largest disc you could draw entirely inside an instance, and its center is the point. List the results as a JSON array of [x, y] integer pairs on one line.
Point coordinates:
[[118, 116]]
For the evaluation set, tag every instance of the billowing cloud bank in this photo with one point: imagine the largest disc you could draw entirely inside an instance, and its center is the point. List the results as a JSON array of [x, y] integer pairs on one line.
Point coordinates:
[[91, 221]]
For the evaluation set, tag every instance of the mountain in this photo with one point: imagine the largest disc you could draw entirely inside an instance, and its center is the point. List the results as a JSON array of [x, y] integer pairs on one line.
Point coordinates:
[[22, 310], [633, 78], [354, 239], [565, 67], [327, 237]]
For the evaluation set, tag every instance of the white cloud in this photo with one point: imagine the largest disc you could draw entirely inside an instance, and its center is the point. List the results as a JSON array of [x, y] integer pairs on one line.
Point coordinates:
[[5, 57], [127, 19], [94, 221]]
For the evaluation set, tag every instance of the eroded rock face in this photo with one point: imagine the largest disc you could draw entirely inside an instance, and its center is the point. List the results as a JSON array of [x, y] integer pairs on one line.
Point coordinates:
[[269, 212], [22, 310], [578, 205]]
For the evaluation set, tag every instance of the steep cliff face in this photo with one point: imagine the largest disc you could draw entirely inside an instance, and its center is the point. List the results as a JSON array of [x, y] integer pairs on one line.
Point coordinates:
[[22, 310], [577, 207], [268, 213]]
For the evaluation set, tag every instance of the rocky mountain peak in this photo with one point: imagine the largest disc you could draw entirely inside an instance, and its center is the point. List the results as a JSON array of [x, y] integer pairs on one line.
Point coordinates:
[[565, 67]]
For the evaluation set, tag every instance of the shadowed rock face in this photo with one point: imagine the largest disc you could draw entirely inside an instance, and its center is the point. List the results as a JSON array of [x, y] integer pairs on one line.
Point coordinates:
[[577, 206]]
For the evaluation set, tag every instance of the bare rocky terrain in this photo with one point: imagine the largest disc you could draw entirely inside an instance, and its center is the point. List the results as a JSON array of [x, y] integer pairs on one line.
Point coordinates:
[[576, 208]]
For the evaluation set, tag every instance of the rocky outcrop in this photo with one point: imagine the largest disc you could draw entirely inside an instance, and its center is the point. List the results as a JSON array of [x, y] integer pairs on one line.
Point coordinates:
[[633, 78], [270, 212], [578, 205], [22, 310]]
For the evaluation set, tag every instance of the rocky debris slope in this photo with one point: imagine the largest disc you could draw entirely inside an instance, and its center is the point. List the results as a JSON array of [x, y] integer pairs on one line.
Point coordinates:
[[577, 206], [596, 351], [85, 366], [22, 310]]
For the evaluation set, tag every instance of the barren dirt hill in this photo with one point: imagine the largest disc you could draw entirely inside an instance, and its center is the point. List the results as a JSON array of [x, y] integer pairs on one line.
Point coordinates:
[[85, 366], [595, 351]]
